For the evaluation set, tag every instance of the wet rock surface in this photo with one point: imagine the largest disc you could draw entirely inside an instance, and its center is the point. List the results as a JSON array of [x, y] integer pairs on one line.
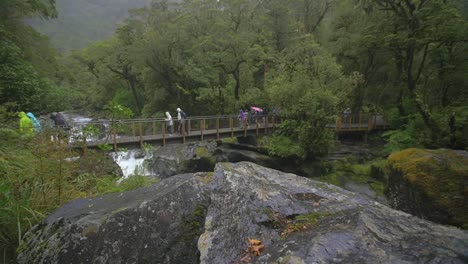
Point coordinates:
[[209, 217], [184, 158], [202, 156], [156, 224]]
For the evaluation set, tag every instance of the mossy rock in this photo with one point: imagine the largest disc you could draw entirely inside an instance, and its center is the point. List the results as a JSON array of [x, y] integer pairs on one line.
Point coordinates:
[[430, 184]]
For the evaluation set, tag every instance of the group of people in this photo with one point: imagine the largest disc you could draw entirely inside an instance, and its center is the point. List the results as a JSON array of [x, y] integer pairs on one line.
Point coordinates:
[[30, 125], [181, 116], [246, 118]]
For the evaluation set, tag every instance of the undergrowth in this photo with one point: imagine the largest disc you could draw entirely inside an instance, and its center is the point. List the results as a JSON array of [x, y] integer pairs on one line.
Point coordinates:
[[38, 175]]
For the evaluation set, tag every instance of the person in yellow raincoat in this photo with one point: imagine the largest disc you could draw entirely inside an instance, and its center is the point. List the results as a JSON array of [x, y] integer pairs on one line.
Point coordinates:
[[25, 125]]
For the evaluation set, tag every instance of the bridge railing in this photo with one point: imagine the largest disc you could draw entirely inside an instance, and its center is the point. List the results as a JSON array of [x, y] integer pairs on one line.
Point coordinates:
[[361, 122], [141, 130], [115, 131]]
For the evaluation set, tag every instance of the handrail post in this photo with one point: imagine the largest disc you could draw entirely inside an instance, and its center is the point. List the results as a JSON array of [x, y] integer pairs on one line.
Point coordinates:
[[154, 128], [231, 124], [265, 123], [133, 129], [245, 130], [115, 139], [188, 130], [217, 128], [183, 132], [202, 126], [360, 119], [256, 128], [141, 134], [164, 133]]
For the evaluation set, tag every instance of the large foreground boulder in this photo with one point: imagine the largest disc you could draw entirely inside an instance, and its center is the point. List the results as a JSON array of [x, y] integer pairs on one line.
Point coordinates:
[[209, 218], [431, 184]]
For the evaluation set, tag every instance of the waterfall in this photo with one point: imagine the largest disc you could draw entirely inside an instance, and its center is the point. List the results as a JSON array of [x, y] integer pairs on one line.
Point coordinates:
[[130, 164]]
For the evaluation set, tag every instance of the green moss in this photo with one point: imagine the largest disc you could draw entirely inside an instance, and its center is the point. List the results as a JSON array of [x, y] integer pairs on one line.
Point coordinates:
[[208, 177], [276, 220], [304, 222], [372, 172], [193, 224], [202, 152], [332, 178], [439, 175], [230, 140]]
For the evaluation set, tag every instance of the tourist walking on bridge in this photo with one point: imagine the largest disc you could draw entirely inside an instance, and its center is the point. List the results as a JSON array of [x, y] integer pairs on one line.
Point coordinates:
[[242, 118], [346, 115], [169, 123], [61, 126], [181, 120]]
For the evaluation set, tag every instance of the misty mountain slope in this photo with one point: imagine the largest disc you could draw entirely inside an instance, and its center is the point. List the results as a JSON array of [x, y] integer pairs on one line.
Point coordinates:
[[81, 22]]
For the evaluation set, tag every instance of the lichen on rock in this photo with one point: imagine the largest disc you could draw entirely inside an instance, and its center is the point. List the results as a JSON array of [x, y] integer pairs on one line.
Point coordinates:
[[430, 184]]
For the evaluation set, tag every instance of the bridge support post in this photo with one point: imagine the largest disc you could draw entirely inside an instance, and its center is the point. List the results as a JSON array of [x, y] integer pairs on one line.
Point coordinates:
[[231, 124], [202, 126], [164, 133], [114, 135], [141, 134], [256, 128], [217, 128], [188, 130], [360, 121], [245, 130], [265, 123], [183, 132]]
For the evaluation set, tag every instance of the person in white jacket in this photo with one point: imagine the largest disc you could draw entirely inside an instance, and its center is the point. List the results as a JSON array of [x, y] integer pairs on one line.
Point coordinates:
[[169, 123], [181, 120]]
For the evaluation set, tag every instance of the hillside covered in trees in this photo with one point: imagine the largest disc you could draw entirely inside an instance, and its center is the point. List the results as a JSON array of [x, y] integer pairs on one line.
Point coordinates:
[[79, 23]]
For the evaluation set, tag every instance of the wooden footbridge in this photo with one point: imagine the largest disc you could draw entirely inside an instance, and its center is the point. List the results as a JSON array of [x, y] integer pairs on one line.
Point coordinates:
[[157, 131]]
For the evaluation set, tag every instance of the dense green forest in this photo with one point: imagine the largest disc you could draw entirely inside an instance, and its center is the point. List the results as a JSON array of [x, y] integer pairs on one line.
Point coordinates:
[[311, 58], [407, 60]]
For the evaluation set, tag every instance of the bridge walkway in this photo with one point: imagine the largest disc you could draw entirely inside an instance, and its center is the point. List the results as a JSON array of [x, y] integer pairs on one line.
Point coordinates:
[[156, 130]]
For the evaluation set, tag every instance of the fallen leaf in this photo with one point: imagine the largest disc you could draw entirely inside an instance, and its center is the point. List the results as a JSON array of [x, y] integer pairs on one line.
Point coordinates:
[[258, 248], [255, 242]]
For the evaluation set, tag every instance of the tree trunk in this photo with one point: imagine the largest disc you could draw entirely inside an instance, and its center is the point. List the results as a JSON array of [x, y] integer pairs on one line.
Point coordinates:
[[236, 76]]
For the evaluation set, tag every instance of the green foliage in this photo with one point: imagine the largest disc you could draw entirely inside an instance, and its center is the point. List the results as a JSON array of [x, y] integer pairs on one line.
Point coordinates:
[[281, 146], [116, 111], [371, 172], [40, 175]]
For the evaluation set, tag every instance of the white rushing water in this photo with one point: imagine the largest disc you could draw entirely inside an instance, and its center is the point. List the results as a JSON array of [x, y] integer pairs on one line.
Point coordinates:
[[129, 164], [127, 161]]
